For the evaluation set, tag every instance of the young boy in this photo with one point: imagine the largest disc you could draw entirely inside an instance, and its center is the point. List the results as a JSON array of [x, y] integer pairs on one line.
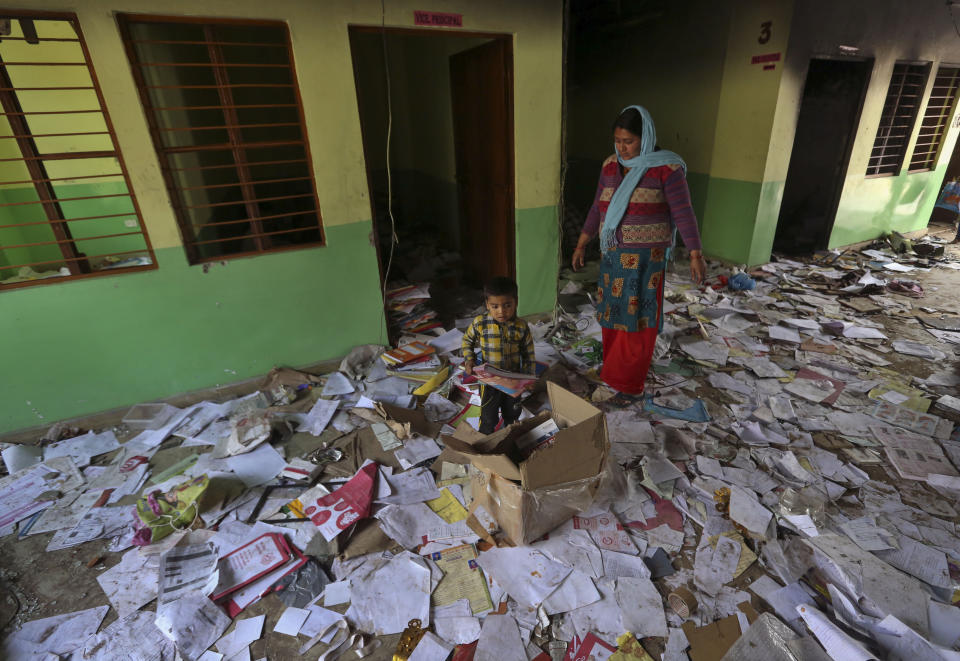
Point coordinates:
[[504, 342]]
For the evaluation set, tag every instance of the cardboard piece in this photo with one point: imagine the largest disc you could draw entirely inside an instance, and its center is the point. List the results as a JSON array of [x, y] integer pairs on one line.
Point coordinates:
[[578, 452], [711, 642]]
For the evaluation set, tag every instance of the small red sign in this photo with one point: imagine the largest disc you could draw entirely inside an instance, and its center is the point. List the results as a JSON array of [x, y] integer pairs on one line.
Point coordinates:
[[438, 19], [762, 59]]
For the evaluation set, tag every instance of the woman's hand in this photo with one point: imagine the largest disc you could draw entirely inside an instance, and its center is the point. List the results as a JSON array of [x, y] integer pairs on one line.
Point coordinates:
[[579, 257], [580, 252], [698, 267]]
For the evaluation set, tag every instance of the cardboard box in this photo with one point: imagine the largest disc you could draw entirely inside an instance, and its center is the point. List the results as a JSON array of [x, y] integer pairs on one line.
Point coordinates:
[[526, 516], [578, 452], [531, 496]]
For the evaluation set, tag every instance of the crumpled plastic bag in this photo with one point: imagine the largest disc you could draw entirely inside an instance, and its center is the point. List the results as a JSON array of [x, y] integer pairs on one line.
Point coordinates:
[[159, 514]]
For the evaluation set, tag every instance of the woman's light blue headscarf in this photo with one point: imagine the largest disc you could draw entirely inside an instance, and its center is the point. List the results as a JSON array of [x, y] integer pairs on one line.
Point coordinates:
[[639, 164]]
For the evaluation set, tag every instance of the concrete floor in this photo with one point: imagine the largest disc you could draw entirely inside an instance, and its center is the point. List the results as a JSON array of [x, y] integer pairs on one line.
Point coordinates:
[[36, 584]]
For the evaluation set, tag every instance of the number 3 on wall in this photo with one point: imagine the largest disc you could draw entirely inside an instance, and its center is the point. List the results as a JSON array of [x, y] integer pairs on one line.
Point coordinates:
[[764, 32]]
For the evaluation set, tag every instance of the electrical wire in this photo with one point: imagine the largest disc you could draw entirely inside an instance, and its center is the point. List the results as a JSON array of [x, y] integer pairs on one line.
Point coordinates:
[[394, 240], [561, 192]]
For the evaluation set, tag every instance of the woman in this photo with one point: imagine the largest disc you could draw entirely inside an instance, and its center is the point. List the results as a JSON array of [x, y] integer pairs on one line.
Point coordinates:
[[642, 199]]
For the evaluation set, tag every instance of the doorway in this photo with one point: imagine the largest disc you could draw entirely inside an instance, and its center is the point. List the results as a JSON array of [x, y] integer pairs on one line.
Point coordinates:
[[827, 125], [444, 208]]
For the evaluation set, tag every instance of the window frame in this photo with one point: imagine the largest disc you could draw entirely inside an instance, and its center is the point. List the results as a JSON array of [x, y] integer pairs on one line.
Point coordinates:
[[184, 223], [880, 141], [940, 130], [10, 107]]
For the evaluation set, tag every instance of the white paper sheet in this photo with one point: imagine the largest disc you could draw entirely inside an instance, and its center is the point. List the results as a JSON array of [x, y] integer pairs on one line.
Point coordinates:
[[602, 618], [458, 629], [525, 573], [291, 621], [500, 640], [319, 416], [416, 450], [337, 384], [83, 448], [258, 466], [784, 334], [246, 631], [133, 637], [431, 648], [319, 619], [919, 560], [409, 524], [336, 593], [18, 457], [192, 622], [572, 548], [132, 583], [867, 534], [576, 590], [391, 596], [838, 644], [448, 342], [622, 565], [903, 643], [746, 510], [641, 607], [412, 486], [715, 567], [58, 635], [864, 575]]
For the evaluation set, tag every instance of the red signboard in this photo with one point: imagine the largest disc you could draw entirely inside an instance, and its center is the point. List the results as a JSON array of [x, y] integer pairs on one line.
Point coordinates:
[[438, 19], [762, 59]]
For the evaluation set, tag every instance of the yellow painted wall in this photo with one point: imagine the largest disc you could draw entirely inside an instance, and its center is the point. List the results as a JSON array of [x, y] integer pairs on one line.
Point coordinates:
[[321, 50], [748, 96]]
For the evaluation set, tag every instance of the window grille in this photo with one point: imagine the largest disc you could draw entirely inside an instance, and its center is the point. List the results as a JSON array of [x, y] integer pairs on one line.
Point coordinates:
[[940, 106], [66, 206], [896, 121], [224, 110]]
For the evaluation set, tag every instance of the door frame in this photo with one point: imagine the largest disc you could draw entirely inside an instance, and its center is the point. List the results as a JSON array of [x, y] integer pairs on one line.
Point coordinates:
[[353, 28], [834, 206]]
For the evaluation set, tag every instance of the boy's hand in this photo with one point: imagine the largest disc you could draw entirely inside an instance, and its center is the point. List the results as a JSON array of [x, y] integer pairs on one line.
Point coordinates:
[[468, 367]]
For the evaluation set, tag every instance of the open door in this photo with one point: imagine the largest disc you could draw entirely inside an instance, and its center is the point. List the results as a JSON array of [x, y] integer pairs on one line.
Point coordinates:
[[829, 115], [481, 85]]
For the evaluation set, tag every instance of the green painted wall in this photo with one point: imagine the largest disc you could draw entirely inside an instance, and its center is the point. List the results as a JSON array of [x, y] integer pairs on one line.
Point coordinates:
[[117, 340], [734, 202], [82, 231], [538, 243], [877, 206]]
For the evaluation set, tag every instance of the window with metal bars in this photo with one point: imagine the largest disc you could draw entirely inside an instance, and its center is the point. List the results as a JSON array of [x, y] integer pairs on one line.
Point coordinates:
[[66, 206], [898, 117], [223, 105], [940, 107]]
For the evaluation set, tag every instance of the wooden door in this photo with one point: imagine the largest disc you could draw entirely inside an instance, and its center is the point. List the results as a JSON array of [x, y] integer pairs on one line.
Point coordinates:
[[481, 84]]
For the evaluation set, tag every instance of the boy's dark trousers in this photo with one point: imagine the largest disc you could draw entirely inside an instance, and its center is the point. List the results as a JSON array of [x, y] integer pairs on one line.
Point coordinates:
[[493, 403]]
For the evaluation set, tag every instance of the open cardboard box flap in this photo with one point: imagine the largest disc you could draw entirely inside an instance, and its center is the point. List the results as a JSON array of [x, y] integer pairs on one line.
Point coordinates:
[[578, 451]]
